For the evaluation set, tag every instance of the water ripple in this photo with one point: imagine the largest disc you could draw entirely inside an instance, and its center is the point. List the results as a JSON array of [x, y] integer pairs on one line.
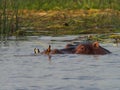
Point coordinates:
[[21, 70]]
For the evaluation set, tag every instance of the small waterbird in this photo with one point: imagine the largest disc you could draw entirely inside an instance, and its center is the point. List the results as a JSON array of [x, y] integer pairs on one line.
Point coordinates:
[[36, 50]]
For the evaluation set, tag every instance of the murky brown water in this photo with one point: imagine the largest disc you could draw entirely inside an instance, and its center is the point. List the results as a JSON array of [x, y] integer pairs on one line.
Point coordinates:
[[20, 69]]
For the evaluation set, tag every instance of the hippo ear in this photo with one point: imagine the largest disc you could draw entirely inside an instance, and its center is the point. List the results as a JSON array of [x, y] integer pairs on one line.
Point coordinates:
[[95, 44]]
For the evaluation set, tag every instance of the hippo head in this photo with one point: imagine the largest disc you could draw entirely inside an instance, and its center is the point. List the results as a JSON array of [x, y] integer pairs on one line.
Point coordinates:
[[90, 48]]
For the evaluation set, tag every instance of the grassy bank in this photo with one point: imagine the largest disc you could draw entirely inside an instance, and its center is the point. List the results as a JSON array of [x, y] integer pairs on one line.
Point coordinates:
[[70, 21], [59, 22], [58, 17]]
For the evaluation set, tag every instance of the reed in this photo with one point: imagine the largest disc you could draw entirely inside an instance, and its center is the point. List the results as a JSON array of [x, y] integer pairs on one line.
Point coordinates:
[[8, 18]]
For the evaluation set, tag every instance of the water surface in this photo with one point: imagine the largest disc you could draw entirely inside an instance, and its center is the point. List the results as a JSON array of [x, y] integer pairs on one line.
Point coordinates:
[[20, 69]]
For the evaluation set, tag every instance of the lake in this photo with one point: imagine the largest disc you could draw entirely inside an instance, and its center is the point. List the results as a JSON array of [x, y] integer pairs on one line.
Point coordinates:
[[20, 69]]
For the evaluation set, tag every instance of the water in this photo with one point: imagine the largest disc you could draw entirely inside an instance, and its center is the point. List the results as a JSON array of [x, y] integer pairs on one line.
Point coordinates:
[[20, 69]]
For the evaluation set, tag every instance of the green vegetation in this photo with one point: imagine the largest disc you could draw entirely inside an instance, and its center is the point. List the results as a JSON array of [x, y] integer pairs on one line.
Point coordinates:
[[67, 4], [72, 22], [8, 18], [58, 17]]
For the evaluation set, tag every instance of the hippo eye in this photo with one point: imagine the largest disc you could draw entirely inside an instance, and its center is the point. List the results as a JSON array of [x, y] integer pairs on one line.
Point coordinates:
[[82, 48]]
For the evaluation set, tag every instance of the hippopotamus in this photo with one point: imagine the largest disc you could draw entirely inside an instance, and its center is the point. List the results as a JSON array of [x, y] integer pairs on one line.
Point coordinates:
[[88, 48]]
